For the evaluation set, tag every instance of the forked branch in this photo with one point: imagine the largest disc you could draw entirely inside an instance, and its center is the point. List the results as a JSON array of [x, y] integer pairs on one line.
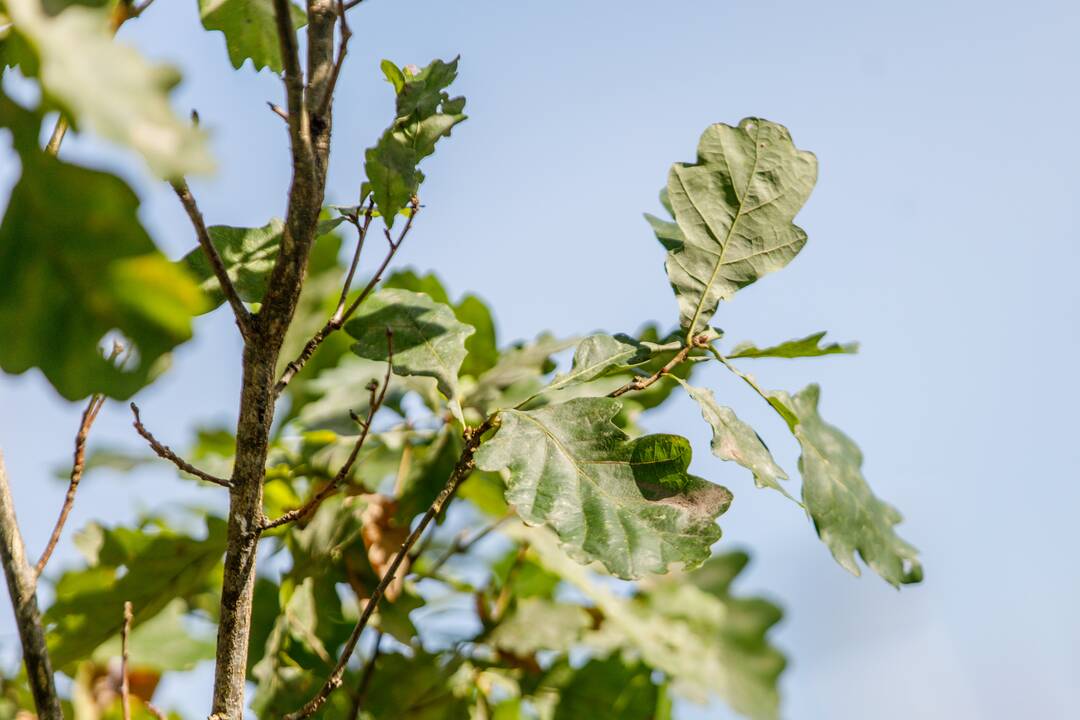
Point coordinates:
[[342, 313], [464, 466], [378, 395]]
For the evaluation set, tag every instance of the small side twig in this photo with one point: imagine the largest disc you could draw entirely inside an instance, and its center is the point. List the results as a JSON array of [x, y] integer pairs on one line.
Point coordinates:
[[77, 466], [462, 543], [340, 316], [125, 690], [243, 317], [464, 466], [278, 110], [640, 383], [378, 395], [164, 452]]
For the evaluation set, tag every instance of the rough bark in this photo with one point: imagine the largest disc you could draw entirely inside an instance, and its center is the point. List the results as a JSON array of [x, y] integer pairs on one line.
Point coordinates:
[[22, 585]]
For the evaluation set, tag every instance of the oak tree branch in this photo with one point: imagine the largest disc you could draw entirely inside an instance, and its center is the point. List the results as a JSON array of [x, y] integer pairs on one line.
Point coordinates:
[[22, 586]]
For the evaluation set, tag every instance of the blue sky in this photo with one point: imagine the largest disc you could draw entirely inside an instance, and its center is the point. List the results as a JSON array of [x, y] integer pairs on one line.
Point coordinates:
[[943, 236]]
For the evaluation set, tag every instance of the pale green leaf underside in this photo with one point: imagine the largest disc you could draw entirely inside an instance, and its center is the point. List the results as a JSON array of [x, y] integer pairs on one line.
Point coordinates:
[[249, 29], [809, 346], [428, 339], [735, 209], [848, 516], [627, 504], [594, 356], [110, 87], [705, 641], [734, 440]]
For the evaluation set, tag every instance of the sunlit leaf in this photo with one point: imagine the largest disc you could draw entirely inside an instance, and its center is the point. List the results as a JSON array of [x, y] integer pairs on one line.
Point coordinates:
[[734, 440], [110, 87], [159, 568], [809, 346], [77, 267], [249, 29], [735, 208], [427, 339], [848, 516], [425, 113], [629, 504]]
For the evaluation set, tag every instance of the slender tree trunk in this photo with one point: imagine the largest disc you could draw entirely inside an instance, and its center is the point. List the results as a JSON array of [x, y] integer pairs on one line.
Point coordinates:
[[22, 585]]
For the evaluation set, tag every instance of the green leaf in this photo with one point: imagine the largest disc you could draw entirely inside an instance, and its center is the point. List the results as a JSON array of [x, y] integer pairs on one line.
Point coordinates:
[[809, 346], [734, 440], [427, 339], [629, 504], [847, 515], [78, 265], [538, 624], [735, 208], [706, 641], [110, 87], [162, 643], [610, 688], [248, 254], [482, 349], [426, 696], [594, 356], [160, 567], [249, 29], [424, 114]]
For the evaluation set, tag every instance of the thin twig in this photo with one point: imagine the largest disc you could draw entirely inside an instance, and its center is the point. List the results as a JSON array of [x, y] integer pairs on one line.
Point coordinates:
[[350, 4], [462, 543], [278, 110], [243, 317], [365, 678], [343, 48], [339, 318], [640, 383], [125, 690], [77, 466], [155, 711], [332, 487], [164, 452], [22, 586], [461, 471], [361, 235], [57, 137]]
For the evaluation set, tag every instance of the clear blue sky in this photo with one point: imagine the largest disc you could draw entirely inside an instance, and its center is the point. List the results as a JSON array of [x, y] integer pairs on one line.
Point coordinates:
[[943, 235]]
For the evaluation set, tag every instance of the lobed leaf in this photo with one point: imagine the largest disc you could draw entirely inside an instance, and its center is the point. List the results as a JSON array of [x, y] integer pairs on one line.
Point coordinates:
[[849, 518], [109, 86], [160, 567], [734, 440], [628, 504], [809, 346], [78, 266], [428, 340], [734, 209], [425, 113], [249, 29]]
